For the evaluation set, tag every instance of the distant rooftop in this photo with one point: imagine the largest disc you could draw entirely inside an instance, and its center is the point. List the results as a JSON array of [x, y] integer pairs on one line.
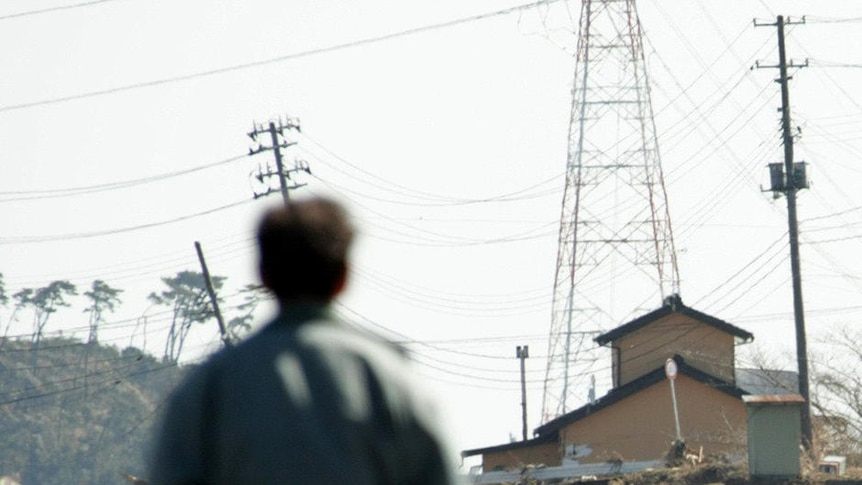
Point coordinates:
[[673, 304], [767, 382]]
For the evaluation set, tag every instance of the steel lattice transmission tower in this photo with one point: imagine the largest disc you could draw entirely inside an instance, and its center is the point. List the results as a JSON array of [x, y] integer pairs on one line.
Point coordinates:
[[616, 255]]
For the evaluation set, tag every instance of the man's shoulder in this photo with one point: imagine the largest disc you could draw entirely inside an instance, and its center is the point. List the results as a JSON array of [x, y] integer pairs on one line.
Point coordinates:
[[338, 336], [324, 333], [324, 343]]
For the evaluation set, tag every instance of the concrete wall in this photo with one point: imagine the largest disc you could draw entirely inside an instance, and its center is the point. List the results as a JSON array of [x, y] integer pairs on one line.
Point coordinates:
[[641, 427], [702, 346]]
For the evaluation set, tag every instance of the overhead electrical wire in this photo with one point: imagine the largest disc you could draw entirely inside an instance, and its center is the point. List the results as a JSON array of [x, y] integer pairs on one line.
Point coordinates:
[[717, 138], [63, 365], [7, 394], [837, 239], [457, 301], [162, 177], [831, 85], [695, 53], [20, 195], [809, 19], [429, 238], [765, 274], [709, 202], [344, 189], [40, 11], [403, 339], [109, 381], [110, 377], [434, 363], [712, 138], [271, 60], [107, 232], [824, 63], [411, 286], [684, 90], [839, 92], [144, 269], [773, 249], [481, 310], [432, 199], [782, 284]]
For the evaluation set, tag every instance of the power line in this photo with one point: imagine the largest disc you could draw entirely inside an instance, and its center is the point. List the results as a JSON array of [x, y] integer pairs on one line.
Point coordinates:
[[108, 232], [19, 195], [430, 199], [822, 63], [827, 20], [141, 269], [272, 60], [424, 237], [52, 9]]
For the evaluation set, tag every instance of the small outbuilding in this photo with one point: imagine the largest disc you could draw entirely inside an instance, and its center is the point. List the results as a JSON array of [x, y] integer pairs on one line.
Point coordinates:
[[774, 435]]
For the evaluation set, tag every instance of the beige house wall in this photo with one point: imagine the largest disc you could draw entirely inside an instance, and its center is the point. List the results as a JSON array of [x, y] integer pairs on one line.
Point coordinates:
[[546, 454], [641, 426], [702, 346]]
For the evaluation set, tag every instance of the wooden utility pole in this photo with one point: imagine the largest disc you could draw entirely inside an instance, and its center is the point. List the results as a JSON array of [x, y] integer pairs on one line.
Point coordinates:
[[523, 353], [793, 179], [276, 135], [213, 299]]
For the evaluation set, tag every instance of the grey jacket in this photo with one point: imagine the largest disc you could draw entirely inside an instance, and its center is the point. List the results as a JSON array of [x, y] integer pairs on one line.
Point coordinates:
[[307, 400]]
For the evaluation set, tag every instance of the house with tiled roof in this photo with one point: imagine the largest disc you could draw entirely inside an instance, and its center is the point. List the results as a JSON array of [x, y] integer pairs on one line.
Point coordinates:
[[634, 424]]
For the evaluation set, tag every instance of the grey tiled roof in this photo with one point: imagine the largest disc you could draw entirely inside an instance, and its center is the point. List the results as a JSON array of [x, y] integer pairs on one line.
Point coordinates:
[[767, 382]]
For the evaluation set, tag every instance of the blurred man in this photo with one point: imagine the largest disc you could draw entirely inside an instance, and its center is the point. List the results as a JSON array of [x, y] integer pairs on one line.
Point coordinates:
[[306, 400]]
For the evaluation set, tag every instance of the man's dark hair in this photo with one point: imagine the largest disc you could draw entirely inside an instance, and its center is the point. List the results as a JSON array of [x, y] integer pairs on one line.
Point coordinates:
[[303, 249]]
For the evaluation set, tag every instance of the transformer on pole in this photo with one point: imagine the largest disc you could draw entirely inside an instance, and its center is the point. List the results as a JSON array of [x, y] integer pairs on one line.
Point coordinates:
[[616, 255]]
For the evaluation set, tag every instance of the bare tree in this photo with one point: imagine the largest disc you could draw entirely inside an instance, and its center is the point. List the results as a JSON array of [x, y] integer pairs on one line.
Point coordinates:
[[836, 390], [187, 298], [102, 298], [22, 300], [836, 382], [44, 301], [4, 298], [253, 296]]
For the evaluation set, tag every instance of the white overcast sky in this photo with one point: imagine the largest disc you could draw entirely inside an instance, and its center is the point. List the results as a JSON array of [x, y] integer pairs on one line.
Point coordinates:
[[449, 146]]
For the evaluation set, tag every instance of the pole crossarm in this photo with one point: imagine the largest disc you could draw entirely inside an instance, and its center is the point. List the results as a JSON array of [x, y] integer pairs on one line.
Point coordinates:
[[276, 131]]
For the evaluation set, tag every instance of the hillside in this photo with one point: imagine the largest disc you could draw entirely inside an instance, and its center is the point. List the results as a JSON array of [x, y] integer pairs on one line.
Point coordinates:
[[76, 413]]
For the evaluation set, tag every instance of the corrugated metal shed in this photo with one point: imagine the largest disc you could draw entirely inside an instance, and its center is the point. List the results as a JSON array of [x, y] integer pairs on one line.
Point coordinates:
[[774, 435]]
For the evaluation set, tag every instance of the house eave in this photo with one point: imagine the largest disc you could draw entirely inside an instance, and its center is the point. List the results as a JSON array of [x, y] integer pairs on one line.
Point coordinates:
[[615, 395], [671, 306], [516, 445]]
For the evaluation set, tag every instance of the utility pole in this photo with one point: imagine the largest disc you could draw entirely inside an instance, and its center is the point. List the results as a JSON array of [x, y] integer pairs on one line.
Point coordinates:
[[523, 353], [276, 135], [213, 299], [788, 182]]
